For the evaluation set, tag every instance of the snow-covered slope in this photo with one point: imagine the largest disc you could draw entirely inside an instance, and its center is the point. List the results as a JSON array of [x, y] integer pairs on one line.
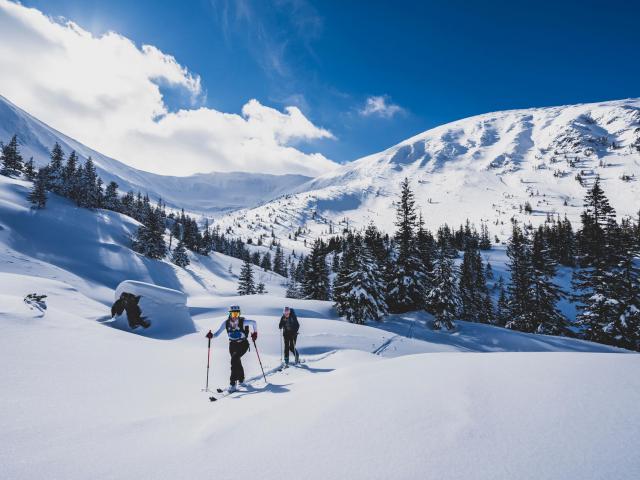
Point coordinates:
[[393, 400], [80, 400], [90, 251], [483, 168], [201, 193]]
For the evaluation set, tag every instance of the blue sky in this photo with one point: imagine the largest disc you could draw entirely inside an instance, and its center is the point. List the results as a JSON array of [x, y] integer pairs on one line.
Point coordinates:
[[435, 61]]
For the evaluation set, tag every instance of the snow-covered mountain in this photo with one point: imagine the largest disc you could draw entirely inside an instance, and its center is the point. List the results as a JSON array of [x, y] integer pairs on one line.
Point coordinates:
[[484, 168], [201, 193]]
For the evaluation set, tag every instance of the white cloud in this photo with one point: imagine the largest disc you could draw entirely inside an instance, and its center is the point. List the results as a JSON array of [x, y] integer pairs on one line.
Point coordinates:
[[104, 91], [378, 106]]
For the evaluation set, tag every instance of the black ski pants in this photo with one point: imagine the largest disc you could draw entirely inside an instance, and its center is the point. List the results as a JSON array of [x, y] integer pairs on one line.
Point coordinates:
[[290, 339], [237, 350]]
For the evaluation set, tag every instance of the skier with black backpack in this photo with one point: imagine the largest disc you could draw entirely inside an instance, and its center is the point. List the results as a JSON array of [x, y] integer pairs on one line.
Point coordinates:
[[237, 328], [289, 325]]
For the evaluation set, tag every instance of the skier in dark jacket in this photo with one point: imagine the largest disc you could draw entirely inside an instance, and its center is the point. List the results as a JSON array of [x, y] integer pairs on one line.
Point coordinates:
[[289, 325], [237, 328]]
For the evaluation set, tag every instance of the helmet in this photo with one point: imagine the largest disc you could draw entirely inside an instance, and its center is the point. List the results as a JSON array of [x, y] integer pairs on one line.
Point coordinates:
[[286, 309], [234, 308]]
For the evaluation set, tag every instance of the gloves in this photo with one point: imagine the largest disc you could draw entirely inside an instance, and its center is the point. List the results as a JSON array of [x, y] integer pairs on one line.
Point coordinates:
[[254, 336]]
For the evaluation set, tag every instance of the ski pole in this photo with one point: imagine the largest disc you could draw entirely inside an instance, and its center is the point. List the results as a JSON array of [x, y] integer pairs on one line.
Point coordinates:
[[260, 361], [281, 348], [209, 337]]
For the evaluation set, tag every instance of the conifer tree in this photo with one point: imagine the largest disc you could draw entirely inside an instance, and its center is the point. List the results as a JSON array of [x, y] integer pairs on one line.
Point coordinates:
[[485, 241], [546, 293], [111, 200], [316, 284], [502, 307], [359, 286], [521, 315], [149, 239], [38, 194], [595, 280], [293, 289], [11, 158], [266, 261], [128, 204], [475, 301], [566, 243], [207, 241], [407, 282], [54, 170], [30, 172], [624, 329], [70, 187], [246, 284], [179, 256], [278, 262], [443, 296]]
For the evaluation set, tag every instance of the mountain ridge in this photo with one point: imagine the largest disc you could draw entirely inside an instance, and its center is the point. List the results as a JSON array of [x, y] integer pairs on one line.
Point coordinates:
[[211, 193], [485, 168]]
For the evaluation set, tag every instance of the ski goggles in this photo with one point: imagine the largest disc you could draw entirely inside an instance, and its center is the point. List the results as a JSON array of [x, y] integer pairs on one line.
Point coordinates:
[[235, 313]]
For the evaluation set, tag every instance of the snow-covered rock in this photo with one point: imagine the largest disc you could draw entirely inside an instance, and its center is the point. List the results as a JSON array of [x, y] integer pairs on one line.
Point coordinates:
[[161, 312]]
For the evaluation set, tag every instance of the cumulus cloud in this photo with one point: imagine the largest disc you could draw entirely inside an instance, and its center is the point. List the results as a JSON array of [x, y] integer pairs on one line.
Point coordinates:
[[380, 106], [107, 93]]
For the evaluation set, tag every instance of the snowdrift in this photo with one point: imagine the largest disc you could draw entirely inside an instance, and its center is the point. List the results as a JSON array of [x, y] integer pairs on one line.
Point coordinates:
[[163, 311]]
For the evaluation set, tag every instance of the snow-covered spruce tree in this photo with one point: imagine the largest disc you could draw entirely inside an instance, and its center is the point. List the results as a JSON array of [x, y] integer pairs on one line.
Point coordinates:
[[501, 316], [29, 170], [179, 256], [426, 249], [520, 299], [38, 194], [566, 243], [445, 239], [595, 279], [128, 203], [261, 289], [54, 170], [206, 245], [475, 300], [443, 297], [11, 158], [89, 190], [278, 262], [625, 329], [149, 239], [190, 233], [546, 293], [111, 200], [485, 240], [359, 287], [71, 179], [316, 284], [407, 281], [293, 289], [266, 261], [246, 284]]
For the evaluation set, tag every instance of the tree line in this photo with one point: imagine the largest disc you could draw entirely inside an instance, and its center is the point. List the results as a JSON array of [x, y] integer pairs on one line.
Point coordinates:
[[375, 274], [69, 177]]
